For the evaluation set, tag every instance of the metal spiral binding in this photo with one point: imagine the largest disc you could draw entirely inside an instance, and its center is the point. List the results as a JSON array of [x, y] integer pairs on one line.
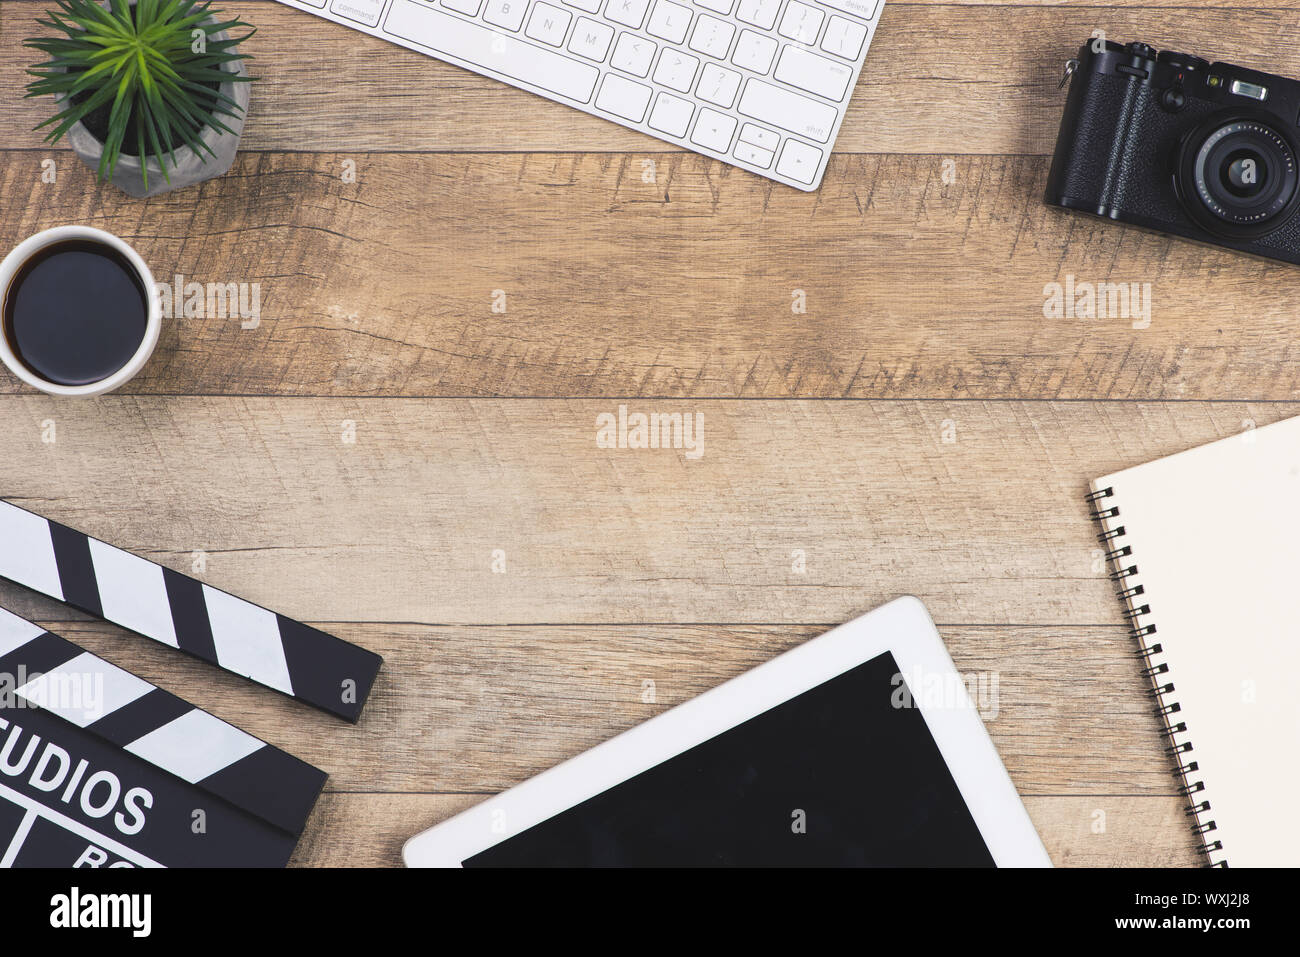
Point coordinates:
[[1156, 671]]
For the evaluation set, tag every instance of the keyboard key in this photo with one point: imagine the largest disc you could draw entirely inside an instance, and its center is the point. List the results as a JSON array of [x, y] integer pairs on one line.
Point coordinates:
[[670, 21], [816, 74], [754, 51], [749, 133], [467, 7], [443, 33], [623, 98], [362, 11], [761, 13], [630, 13], [587, 6], [713, 130], [865, 9], [748, 153], [548, 24], [633, 54], [801, 22], [717, 6], [591, 39], [505, 13], [712, 36], [799, 161], [671, 115], [676, 70], [788, 110], [844, 38], [718, 85]]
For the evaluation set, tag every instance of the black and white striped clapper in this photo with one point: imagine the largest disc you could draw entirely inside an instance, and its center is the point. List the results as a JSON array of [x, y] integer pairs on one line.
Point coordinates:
[[185, 613], [100, 767]]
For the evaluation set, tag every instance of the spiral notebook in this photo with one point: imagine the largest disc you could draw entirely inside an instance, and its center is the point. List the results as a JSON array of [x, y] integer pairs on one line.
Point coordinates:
[[1205, 547]]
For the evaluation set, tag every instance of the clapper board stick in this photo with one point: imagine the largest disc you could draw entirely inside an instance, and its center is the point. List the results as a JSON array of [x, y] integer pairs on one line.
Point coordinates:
[[182, 612], [91, 750]]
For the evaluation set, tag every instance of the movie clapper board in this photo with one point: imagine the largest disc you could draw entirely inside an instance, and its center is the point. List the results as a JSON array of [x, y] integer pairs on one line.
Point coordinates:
[[99, 768], [182, 612]]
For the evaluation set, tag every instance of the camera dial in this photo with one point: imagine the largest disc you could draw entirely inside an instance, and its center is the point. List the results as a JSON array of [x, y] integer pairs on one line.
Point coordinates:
[[1238, 176], [1183, 61]]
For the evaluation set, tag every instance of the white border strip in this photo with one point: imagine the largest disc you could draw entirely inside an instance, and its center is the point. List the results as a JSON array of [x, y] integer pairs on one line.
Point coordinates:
[[28, 553], [16, 632]]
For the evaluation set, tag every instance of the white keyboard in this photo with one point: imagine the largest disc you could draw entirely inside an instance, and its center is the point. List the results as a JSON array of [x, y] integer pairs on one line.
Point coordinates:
[[760, 84]]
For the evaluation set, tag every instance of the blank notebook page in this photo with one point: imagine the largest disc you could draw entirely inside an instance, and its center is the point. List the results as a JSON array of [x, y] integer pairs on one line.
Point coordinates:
[[1214, 534]]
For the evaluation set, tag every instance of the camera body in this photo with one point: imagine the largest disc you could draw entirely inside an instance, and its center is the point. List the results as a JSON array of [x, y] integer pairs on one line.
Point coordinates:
[[1171, 142]]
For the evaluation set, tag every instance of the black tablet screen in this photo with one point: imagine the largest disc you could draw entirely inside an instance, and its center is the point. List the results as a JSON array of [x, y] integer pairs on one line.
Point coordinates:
[[838, 775]]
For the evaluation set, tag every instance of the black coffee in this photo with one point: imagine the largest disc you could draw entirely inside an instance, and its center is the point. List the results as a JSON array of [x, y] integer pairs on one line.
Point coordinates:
[[76, 312]]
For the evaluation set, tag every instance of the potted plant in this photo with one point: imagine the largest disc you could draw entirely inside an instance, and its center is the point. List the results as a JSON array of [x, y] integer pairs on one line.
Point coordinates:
[[151, 94]]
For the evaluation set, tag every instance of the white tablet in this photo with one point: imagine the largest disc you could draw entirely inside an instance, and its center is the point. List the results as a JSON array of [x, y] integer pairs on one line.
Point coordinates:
[[860, 747]]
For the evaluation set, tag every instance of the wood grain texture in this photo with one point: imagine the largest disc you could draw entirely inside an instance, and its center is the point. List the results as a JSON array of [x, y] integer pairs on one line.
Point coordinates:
[[479, 709], [368, 830], [985, 73], [685, 287], [402, 524]]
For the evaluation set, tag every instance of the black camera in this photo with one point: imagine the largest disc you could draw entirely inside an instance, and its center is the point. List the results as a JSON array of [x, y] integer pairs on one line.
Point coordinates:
[[1174, 143]]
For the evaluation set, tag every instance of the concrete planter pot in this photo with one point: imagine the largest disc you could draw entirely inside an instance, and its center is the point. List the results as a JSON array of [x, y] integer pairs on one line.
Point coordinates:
[[190, 168]]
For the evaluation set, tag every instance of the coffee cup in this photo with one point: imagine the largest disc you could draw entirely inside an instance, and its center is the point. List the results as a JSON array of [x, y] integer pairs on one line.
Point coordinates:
[[81, 314]]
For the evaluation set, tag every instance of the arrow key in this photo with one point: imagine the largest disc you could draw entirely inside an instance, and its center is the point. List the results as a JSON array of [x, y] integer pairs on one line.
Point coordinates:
[[799, 161], [713, 130]]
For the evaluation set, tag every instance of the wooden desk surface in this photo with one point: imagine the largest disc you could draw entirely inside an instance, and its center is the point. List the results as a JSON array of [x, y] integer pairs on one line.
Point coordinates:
[[374, 452]]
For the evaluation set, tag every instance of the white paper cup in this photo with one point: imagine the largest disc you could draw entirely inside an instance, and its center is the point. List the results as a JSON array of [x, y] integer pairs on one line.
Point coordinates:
[[153, 323]]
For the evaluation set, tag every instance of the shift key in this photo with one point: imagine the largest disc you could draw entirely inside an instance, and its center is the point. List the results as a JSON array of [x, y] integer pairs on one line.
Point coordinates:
[[788, 110]]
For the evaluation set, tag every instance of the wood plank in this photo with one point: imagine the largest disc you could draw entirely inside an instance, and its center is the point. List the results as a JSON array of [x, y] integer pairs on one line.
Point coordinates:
[[471, 709], [980, 70], [402, 524], [912, 288], [355, 830]]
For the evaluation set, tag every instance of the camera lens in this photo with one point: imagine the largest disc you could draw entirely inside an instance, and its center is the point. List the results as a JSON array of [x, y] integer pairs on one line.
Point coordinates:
[[1243, 174]]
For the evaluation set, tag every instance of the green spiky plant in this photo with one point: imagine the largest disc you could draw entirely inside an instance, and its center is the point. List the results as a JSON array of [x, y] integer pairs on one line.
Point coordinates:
[[148, 66]]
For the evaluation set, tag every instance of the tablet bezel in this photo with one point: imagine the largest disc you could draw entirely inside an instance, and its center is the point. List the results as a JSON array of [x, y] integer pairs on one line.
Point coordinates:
[[902, 627]]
